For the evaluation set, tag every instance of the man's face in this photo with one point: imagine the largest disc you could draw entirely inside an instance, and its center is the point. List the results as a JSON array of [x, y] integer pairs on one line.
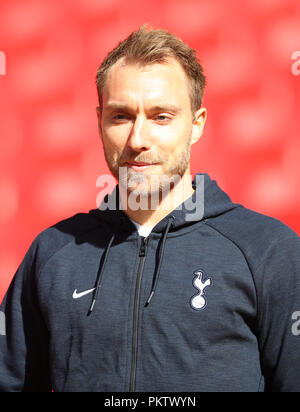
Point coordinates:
[[147, 123]]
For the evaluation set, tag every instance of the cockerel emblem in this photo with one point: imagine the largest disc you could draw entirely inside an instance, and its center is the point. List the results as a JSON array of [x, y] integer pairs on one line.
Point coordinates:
[[198, 302]]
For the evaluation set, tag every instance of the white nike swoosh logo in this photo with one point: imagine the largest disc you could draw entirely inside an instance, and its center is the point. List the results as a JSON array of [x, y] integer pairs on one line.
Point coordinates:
[[79, 295]]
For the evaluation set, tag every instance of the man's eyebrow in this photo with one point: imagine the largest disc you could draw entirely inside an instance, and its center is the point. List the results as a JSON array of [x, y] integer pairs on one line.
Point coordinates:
[[116, 106], [157, 108], [166, 107]]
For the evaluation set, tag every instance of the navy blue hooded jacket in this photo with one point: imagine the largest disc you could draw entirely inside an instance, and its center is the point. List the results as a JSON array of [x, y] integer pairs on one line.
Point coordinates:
[[205, 305]]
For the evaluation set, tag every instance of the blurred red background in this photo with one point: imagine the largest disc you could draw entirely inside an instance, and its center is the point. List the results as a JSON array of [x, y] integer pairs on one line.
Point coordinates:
[[50, 152]]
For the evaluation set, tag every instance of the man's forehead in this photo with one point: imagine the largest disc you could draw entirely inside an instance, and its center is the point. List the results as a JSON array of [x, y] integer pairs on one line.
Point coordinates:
[[161, 83], [125, 65]]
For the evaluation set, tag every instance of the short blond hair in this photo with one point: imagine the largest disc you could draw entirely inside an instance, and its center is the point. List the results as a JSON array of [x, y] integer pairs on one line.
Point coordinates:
[[148, 46]]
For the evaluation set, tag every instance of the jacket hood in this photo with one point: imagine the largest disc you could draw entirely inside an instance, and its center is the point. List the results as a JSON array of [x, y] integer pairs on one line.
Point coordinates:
[[207, 201]]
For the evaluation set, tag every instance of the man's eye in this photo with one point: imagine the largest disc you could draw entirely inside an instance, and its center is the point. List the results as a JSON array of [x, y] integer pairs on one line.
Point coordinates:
[[162, 118], [120, 117]]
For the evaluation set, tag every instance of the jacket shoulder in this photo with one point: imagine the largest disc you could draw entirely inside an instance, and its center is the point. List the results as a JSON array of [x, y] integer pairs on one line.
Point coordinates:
[[52, 239], [253, 232]]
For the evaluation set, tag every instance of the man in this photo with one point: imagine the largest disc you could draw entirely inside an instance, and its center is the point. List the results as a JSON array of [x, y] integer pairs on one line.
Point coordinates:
[[194, 294]]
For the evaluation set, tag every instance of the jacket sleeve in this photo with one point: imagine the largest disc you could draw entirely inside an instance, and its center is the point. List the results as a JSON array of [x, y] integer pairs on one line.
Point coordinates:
[[279, 308], [24, 363]]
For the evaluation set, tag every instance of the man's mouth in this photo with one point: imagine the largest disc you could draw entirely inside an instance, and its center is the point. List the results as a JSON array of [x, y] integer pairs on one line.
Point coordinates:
[[139, 166]]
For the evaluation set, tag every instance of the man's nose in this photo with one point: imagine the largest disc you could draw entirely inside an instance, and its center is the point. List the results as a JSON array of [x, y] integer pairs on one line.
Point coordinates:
[[138, 140]]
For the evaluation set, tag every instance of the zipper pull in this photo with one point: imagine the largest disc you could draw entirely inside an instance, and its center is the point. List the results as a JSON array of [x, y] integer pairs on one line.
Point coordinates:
[[143, 247]]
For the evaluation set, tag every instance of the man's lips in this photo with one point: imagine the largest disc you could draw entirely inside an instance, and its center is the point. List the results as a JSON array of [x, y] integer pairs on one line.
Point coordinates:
[[138, 166]]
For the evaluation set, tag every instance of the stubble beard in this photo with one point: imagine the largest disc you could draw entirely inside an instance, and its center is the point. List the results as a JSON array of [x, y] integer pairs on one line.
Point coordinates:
[[147, 185]]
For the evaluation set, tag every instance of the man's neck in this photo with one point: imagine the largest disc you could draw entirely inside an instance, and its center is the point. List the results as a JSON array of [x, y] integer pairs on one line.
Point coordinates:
[[151, 216]]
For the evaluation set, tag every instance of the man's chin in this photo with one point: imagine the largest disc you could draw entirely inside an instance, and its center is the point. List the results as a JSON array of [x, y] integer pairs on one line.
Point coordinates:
[[139, 190]]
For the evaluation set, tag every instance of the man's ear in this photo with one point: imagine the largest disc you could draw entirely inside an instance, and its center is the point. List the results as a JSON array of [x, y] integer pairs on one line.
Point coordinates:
[[198, 124], [98, 110]]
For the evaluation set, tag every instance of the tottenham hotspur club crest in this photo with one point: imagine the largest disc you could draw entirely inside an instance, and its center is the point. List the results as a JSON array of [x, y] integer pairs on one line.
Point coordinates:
[[198, 302]]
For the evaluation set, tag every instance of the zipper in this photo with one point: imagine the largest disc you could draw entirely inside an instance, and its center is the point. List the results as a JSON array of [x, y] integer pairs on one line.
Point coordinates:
[[142, 255]]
